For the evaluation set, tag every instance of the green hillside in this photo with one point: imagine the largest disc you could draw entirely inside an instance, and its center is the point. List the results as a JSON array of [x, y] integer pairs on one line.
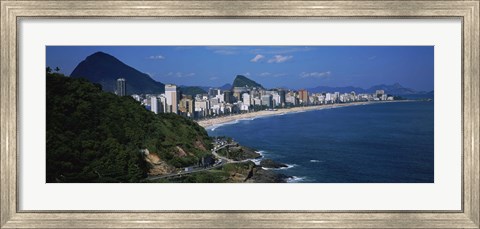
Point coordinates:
[[192, 90], [242, 81], [95, 136]]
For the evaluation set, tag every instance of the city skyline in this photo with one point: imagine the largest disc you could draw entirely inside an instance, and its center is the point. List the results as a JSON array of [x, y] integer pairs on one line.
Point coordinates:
[[295, 67], [108, 121]]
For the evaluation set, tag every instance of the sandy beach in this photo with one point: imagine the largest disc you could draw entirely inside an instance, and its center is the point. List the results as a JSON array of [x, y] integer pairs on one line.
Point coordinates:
[[224, 119]]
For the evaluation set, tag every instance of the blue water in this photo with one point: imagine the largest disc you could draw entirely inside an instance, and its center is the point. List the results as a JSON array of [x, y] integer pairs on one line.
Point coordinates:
[[375, 143]]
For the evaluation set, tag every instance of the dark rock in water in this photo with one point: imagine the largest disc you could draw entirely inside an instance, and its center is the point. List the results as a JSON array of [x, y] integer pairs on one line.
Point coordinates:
[[250, 153], [271, 164], [239, 153], [267, 176]]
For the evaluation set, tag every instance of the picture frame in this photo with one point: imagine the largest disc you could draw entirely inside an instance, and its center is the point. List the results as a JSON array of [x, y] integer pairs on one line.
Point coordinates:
[[12, 217]]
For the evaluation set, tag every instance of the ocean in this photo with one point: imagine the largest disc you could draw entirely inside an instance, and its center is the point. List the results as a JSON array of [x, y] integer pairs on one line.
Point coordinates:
[[374, 143]]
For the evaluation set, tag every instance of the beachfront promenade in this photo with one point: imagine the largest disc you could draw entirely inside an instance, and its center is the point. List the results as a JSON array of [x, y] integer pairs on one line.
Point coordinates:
[[230, 118]]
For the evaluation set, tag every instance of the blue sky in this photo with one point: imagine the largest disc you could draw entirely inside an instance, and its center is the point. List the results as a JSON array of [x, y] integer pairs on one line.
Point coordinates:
[[273, 66]]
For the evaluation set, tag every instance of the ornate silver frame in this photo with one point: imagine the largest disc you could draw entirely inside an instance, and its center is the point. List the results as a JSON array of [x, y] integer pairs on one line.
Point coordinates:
[[467, 11]]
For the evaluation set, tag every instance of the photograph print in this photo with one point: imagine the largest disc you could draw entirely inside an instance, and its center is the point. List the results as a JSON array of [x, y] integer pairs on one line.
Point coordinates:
[[239, 114]]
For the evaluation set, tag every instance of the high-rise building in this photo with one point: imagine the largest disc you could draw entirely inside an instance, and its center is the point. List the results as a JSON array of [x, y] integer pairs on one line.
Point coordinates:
[[155, 105], [163, 101], [212, 92], [228, 97], [379, 93], [337, 96], [329, 98], [303, 96], [214, 101], [255, 93], [384, 97], [246, 99], [276, 100], [172, 97], [238, 91], [202, 108], [187, 106], [321, 99], [291, 99], [267, 100], [257, 102], [121, 87], [282, 93]]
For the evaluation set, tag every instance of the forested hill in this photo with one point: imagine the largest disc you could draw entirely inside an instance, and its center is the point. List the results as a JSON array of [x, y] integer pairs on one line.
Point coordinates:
[[96, 136], [242, 81]]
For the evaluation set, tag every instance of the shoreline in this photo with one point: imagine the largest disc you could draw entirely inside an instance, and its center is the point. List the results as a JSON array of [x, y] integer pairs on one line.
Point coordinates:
[[225, 119]]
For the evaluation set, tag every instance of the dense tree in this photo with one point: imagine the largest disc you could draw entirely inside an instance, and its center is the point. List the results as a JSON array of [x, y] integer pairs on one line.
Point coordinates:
[[95, 136], [242, 81], [192, 90]]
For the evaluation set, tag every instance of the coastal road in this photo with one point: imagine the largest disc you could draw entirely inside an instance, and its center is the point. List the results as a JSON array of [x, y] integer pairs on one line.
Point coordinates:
[[223, 161], [214, 152], [181, 173]]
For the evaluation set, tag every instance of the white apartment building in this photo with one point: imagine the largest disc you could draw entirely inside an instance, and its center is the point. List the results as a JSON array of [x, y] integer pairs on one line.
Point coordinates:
[[246, 99], [171, 94]]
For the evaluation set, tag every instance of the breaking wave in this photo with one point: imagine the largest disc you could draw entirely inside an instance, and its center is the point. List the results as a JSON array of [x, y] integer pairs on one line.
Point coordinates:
[[295, 179]]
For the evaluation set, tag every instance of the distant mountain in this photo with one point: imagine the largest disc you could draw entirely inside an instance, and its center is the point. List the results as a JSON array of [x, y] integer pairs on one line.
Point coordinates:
[[105, 69], [205, 89], [226, 87], [242, 81], [394, 89], [320, 89], [192, 90]]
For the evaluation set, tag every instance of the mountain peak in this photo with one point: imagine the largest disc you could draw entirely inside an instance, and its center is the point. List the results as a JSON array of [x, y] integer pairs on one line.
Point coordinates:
[[241, 77], [100, 53], [104, 57], [105, 69], [243, 81]]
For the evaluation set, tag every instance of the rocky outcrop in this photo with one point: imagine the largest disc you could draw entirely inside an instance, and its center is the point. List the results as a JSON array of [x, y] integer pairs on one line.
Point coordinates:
[[239, 153], [267, 176], [156, 165], [160, 169], [180, 152], [271, 164], [199, 144], [248, 172]]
